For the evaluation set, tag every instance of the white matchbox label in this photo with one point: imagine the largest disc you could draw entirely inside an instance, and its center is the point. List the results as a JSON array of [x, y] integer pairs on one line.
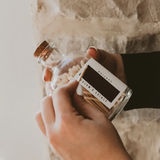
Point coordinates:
[[101, 83]]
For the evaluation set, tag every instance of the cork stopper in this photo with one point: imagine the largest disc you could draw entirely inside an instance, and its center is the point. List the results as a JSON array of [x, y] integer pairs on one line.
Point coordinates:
[[40, 48], [43, 51]]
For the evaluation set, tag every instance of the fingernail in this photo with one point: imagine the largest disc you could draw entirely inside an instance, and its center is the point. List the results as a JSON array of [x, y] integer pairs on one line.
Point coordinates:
[[92, 47], [43, 78], [79, 90]]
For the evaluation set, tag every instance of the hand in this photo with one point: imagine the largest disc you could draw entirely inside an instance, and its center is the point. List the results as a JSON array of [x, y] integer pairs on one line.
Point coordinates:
[[73, 137], [113, 62]]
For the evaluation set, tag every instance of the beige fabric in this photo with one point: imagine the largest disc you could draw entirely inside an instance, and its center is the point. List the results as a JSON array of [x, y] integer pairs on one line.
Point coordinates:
[[117, 26]]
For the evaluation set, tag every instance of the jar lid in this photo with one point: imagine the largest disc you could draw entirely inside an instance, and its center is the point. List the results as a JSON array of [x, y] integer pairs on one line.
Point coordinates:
[[40, 48]]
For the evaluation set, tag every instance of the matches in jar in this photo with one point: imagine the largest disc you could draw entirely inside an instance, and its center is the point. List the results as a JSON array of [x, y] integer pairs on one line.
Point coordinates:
[[98, 91]]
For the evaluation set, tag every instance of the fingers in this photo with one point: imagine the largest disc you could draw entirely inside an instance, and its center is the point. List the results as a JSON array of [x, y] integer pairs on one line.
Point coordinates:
[[104, 58], [62, 99], [48, 88], [97, 54], [40, 123], [48, 114], [47, 75], [93, 52]]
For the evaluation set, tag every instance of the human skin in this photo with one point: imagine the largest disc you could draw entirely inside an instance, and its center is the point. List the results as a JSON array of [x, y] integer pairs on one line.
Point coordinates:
[[75, 130], [113, 62]]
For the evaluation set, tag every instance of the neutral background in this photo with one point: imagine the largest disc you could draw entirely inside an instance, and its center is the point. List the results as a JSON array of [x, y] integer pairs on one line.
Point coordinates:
[[117, 26], [20, 138]]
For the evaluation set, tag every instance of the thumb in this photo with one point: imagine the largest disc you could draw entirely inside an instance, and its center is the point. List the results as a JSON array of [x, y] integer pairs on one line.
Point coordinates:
[[85, 109]]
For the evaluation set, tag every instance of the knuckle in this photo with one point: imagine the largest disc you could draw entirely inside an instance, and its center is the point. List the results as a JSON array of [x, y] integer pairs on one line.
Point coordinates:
[[65, 118], [37, 116], [63, 124], [48, 88], [66, 124], [59, 91], [57, 95], [51, 139], [51, 136], [45, 101]]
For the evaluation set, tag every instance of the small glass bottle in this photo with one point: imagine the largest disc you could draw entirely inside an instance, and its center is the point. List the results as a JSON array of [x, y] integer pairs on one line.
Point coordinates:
[[67, 67]]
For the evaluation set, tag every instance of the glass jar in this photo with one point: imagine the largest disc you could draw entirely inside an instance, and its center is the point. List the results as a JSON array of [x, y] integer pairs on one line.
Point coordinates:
[[67, 67]]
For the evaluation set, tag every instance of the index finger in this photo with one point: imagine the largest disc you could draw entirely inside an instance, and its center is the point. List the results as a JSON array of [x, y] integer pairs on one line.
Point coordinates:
[[62, 99], [47, 74]]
